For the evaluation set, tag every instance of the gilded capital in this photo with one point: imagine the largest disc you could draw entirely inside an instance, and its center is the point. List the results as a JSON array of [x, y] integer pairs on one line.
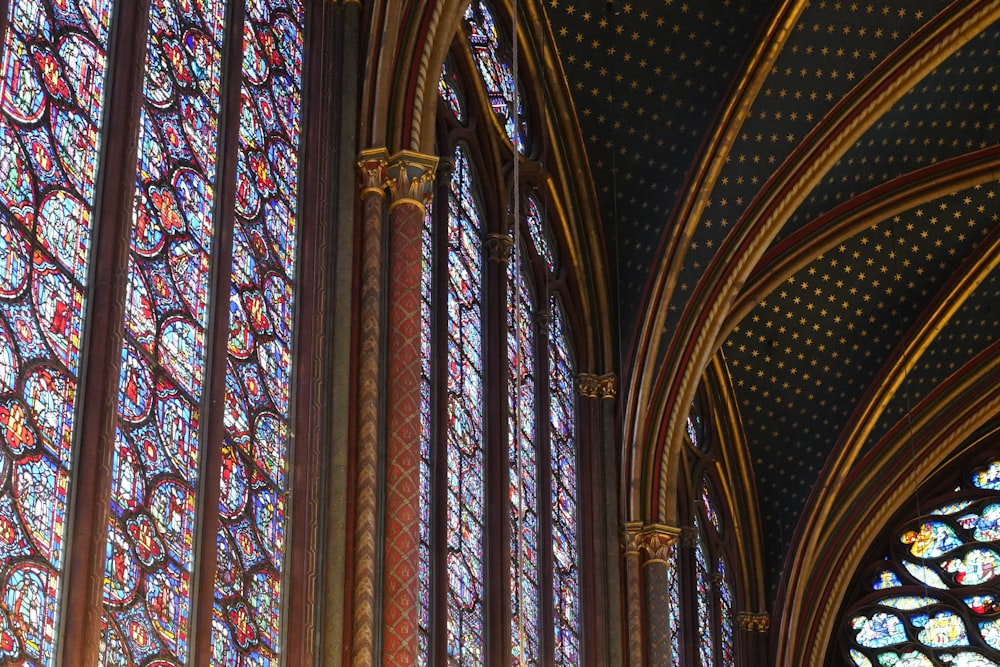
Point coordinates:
[[657, 543], [652, 541], [755, 621], [372, 170], [597, 386], [633, 545], [411, 178]]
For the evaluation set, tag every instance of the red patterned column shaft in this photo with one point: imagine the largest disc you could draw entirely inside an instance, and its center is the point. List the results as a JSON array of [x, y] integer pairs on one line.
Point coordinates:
[[410, 178], [373, 180]]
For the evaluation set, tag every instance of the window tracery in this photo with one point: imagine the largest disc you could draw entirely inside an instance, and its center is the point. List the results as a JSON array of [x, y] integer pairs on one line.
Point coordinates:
[[930, 599], [540, 551]]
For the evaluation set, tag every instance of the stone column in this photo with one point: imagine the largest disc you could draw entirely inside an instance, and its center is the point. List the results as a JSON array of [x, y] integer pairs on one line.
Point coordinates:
[[410, 180], [634, 592], [754, 629], [372, 165], [597, 405], [659, 561]]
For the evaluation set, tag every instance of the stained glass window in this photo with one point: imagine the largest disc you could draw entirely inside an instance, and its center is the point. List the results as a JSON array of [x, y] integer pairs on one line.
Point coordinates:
[[524, 468], [54, 65], [539, 234], [54, 68], [424, 550], [674, 607], [565, 575], [496, 72], [703, 592], [708, 505], [531, 376], [465, 422], [726, 653], [450, 90], [932, 599], [254, 489], [154, 472]]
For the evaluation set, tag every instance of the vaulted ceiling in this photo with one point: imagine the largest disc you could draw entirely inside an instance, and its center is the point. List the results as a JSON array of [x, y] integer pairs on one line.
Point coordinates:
[[810, 188]]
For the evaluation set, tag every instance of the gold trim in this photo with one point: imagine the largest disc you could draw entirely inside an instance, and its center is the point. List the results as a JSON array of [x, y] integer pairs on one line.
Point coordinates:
[[652, 542], [597, 386], [372, 170], [410, 179], [755, 621]]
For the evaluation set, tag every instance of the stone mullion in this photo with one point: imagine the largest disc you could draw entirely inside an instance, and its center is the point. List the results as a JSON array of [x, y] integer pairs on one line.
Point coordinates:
[[82, 605], [543, 466], [496, 250], [372, 164], [659, 559], [753, 637], [410, 179]]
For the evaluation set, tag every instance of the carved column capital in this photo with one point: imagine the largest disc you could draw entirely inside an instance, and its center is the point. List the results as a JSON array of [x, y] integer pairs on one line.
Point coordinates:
[[759, 622], [651, 541], [597, 386], [497, 247], [632, 542], [411, 178], [688, 537], [372, 170]]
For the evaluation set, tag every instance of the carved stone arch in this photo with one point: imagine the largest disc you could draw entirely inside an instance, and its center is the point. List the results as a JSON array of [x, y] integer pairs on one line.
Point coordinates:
[[407, 49], [852, 507]]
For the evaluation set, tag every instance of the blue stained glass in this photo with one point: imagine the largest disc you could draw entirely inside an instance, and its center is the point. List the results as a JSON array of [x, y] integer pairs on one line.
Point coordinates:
[[987, 477], [562, 439], [496, 72], [703, 592], [258, 384], [166, 320], [424, 550], [539, 234], [674, 608], [523, 472], [450, 90], [925, 575], [52, 83], [707, 504], [726, 652], [465, 423]]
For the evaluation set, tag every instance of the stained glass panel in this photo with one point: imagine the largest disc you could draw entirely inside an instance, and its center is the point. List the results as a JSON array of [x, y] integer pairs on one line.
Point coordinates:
[[250, 564], [539, 234], [523, 472], [944, 598], [147, 616], [52, 90], [703, 592], [708, 505], [674, 607], [465, 632], [450, 90], [496, 72], [726, 653], [424, 550], [562, 439]]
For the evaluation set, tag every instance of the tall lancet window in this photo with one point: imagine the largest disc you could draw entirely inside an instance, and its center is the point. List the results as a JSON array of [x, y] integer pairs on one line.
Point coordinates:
[[464, 420], [705, 634], [496, 412], [211, 249], [52, 95]]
